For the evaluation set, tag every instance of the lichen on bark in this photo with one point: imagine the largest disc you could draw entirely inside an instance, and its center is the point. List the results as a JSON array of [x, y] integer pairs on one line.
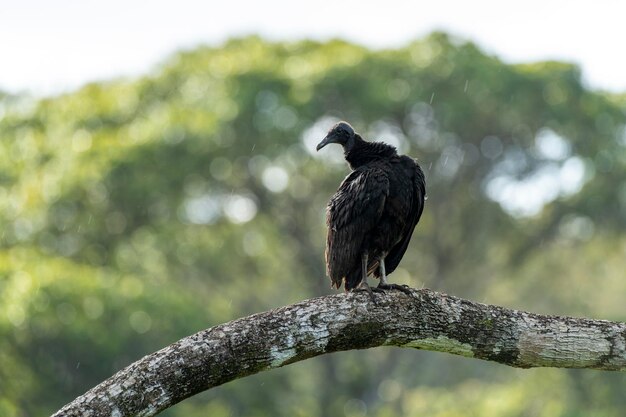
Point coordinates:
[[424, 320]]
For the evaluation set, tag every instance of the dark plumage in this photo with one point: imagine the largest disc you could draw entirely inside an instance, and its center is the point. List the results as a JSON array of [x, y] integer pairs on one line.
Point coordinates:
[[372, 215]]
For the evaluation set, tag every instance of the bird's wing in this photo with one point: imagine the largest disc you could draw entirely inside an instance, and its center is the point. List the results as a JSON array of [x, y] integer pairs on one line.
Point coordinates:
[[414, 208], [352, 212]]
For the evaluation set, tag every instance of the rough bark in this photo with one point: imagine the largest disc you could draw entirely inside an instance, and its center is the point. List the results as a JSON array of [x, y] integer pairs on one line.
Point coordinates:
[[423, 320]]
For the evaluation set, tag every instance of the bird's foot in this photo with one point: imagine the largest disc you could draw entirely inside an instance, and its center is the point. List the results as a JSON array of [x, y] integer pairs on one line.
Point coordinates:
[[400, 287], [364, 286]]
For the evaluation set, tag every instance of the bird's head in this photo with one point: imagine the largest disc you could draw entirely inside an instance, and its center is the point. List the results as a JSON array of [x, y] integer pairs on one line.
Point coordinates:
[[341, 133]]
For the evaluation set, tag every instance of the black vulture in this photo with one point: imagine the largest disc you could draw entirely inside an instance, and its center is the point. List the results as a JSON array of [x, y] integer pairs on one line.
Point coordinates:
[[372, 215]]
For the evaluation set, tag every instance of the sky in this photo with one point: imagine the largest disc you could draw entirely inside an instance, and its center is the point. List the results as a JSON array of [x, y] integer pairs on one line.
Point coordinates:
[[48, 47]]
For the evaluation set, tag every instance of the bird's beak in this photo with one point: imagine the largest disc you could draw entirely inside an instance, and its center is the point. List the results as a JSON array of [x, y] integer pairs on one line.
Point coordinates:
[[324, 142]]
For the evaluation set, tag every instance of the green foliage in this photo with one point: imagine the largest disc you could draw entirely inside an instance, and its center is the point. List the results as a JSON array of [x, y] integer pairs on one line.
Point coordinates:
[[134, 213]]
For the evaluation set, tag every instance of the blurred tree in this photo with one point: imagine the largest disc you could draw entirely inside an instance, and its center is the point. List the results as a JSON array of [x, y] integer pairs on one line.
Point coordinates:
[[136, 212]]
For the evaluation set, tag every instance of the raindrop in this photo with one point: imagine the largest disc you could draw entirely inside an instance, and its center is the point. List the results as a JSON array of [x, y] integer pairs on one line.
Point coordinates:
[[422, 125], [470, 154], [450, 161]]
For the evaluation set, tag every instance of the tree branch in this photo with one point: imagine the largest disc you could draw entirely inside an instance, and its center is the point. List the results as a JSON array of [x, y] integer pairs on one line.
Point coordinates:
[[424, 320]]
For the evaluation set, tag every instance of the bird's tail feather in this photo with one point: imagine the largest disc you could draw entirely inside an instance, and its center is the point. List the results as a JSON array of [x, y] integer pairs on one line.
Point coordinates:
[[352, 279]]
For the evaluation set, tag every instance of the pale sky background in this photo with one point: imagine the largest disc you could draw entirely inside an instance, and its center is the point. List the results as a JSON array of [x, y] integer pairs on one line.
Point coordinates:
[[47, 47]]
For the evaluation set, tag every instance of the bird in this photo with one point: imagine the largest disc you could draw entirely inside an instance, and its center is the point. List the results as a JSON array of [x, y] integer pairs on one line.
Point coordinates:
[[373, 213]]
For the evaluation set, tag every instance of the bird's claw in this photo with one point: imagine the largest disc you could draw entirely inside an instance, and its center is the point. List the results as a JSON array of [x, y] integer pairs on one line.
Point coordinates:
[[364, 286], [400, 287]]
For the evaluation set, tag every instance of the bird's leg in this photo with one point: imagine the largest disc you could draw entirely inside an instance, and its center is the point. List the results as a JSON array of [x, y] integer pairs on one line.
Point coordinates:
[[384, 285], [363, 285]]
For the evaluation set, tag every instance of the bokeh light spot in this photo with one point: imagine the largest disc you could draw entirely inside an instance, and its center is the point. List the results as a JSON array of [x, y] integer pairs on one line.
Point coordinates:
[[577, 227], [202, 210], [240, 209], [66, 313], [140, 321], [254, 243], [491, 147], [116, 223], [93, 307], [16, 314], [221, 168], [275, 179], [81, 141], [355, 407], [389, 390], [285, 118], [550, 145], [398, 89]]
